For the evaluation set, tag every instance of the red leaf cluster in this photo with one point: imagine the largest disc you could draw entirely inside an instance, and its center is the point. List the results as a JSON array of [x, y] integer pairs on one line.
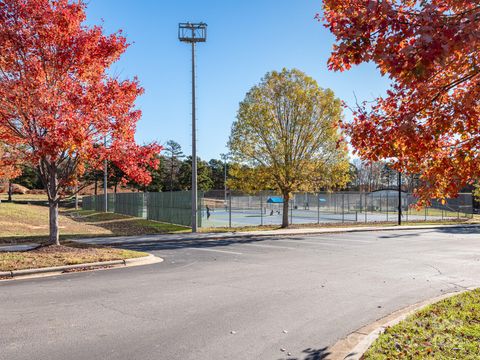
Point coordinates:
[[429, 121], [57, 100], [9, 168]]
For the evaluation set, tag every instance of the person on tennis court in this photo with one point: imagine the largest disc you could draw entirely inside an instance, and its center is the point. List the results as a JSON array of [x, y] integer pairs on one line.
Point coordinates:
[[208, 212]]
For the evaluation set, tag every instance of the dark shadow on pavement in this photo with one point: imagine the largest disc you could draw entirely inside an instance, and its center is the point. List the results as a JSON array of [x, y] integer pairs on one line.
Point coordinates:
[[158, 245], [446, 230], [312, 354], [409, 233], [461, 230], [150, 243]]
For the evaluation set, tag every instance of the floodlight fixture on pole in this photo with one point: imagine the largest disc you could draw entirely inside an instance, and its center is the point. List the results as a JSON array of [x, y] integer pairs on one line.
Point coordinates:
[[193, 33]]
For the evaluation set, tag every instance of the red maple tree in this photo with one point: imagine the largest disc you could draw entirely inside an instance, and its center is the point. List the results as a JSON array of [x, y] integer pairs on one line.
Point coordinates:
[[57, 101], [429, 120]]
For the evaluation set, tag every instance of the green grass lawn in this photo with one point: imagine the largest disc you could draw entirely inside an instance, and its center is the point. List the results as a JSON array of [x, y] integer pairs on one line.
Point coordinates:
[[449, 329], [120, 224], [436, 212], [24, 197], [21, 223]]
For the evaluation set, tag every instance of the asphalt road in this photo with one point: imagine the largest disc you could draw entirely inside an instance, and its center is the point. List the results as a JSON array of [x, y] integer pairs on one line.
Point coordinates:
[[234, 299]]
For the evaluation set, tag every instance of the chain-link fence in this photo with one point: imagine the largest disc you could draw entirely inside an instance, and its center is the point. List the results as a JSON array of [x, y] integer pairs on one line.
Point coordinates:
[[233, 209], [133, 204], [220, 209], [97, 202], [170, 207]]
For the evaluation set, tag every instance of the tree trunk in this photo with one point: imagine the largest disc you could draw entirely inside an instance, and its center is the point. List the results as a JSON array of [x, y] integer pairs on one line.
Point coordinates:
[[286, 198], [96, 185], [10, 190], [53, 200], [53, 217], [76, 197]]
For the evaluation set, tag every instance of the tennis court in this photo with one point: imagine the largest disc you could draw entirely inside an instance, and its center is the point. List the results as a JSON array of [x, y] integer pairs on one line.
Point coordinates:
[[239, 210], [341, 207], [221, 217]]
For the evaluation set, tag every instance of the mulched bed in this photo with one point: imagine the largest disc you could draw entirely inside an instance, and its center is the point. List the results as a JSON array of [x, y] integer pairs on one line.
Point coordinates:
[[52, 249], [59, 255]]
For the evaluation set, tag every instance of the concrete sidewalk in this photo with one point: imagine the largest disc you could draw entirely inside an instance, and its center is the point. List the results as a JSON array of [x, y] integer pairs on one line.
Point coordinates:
[[252, 234]]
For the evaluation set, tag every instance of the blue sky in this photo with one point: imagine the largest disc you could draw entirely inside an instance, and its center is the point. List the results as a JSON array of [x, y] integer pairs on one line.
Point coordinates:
[[246, 39]]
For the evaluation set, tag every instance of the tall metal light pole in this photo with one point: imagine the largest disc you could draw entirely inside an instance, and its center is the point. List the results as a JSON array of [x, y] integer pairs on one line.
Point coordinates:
[[225, 159], [193, 33]]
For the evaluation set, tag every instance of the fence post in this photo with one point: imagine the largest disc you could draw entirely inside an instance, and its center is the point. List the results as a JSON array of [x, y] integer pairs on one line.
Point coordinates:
[[200, 205], [361, 202], [408, 208], [261, 209], [366, 207], [291, 208], [170, 205], [318, 208], [387, 202], [425, 213], [343, 208], [230, 209]]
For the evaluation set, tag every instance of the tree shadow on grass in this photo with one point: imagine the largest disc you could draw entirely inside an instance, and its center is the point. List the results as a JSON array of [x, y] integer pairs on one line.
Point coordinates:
[[123, 225], [107, 224], [43, 239]]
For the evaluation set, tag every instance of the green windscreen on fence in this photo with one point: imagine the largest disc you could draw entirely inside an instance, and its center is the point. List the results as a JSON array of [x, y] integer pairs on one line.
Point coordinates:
[[171, 207], [97, 202], [132, 204]]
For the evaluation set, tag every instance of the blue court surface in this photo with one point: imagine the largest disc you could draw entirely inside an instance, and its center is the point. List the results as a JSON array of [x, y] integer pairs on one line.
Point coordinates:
[[220, 217]]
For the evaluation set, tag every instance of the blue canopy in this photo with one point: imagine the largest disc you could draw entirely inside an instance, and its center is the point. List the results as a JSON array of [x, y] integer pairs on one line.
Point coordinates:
[[275, 200]]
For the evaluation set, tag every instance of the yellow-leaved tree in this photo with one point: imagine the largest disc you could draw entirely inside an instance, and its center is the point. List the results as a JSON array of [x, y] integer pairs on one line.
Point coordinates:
[[286, 137]]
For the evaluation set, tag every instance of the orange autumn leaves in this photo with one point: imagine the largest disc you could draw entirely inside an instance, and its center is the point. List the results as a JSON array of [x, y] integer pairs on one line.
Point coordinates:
[[429, 120], [57, 101]]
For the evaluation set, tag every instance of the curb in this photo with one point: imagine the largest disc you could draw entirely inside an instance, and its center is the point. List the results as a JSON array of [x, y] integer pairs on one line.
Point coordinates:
[[119, 241], [145, 260], [358, 342]]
